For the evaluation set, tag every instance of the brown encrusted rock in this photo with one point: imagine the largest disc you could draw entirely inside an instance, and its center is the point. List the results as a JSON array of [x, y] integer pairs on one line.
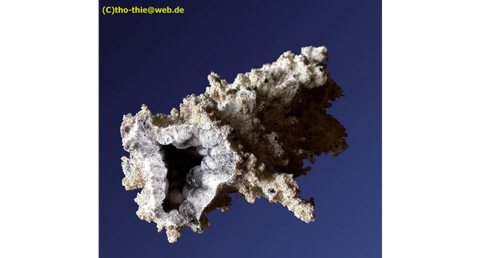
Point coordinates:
[[249, 137]]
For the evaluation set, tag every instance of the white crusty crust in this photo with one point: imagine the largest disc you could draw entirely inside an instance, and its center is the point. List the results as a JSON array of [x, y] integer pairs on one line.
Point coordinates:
[[253, 135]]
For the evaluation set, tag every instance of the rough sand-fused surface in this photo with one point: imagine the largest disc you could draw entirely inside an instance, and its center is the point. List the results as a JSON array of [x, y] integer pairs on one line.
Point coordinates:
[[248, 137]]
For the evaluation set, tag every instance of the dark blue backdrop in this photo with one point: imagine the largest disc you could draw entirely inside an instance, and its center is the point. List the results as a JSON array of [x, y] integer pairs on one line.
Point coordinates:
[[159, 59]]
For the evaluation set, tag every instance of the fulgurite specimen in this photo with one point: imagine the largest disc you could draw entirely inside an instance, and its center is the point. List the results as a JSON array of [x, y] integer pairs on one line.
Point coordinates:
[[249, 137]]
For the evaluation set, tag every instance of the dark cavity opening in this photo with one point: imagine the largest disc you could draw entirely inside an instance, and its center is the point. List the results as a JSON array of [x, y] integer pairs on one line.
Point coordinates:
[[178, 163]]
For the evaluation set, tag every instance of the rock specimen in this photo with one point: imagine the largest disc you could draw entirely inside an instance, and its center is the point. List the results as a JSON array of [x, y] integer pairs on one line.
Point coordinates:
[[248, 137]]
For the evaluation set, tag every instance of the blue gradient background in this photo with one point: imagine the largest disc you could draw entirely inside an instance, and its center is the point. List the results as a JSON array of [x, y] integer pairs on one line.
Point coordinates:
[[159, 59]]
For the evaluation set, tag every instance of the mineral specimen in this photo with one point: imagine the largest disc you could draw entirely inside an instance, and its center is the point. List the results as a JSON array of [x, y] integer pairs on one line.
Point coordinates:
[[249, 137]]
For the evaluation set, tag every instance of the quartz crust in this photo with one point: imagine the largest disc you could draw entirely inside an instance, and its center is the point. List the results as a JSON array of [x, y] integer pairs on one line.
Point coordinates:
[[249, 137]]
